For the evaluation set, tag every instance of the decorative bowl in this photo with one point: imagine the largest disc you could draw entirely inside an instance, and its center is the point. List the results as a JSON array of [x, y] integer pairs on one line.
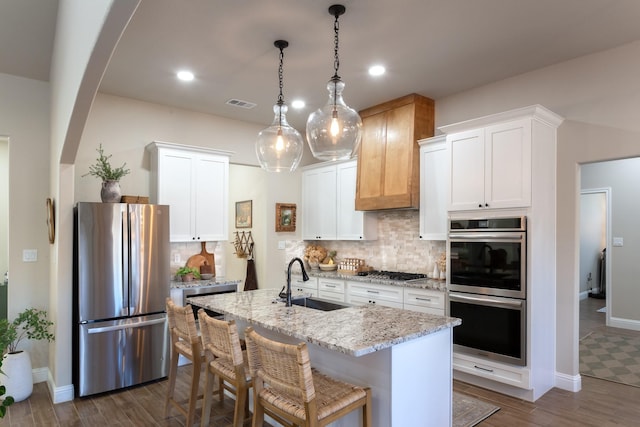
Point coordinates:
[[206, 276], [328, 267]]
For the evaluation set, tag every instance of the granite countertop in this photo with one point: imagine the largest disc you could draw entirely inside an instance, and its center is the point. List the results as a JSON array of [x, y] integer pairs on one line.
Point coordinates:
[[197, 283], [355, 330], [433, 284]]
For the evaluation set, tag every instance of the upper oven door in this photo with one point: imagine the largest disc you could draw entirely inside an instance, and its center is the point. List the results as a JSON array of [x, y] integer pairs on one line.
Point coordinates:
[[489, 263]]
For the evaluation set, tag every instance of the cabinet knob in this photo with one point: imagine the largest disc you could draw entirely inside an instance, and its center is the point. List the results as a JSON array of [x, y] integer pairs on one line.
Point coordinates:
[[479, 205], [486, 205]]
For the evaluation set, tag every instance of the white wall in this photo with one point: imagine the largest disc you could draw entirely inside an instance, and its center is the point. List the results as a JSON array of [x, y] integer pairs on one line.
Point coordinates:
[[600, 95], [24, 119]]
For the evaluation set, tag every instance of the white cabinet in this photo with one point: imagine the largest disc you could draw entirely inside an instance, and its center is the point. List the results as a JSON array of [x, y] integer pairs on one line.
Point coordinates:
[[490, 166], [331, 289], [372, 293], [194, 182], [328, 204], [319, 203], [434, 188], [425, 300], [307, 286]]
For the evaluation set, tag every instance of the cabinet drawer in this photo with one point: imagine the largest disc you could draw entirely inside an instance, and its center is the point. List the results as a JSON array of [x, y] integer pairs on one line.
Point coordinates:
[[516, 376], [427, 298], [370, 291], [331, 296], [328, 285], [311, 285], [357, 300], [427, 310]]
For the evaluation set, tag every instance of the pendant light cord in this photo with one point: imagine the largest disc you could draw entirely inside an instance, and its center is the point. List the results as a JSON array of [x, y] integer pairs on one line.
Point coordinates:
[[280, 78], [336, 59]]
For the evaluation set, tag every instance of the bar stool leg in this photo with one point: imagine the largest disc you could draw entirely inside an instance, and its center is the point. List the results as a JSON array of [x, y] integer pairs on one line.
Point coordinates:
[[195, 386], [173, 371], [206, 404]]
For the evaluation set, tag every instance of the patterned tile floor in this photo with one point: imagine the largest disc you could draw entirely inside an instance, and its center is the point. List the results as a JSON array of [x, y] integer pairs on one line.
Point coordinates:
[[611, 355]]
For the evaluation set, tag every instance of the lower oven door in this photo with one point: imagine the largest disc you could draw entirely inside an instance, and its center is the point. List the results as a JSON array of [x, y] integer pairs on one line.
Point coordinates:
[[492, 327]]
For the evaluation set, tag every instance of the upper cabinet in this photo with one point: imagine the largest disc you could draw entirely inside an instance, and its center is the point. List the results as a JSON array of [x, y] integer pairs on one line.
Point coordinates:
[[328, 204], [194, 182], [388, 157], [491, 158], [434, 188]]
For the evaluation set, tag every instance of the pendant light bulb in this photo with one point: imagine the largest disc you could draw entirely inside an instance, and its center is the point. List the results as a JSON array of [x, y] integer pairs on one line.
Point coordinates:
[[279, 147], [335, 125], [335, 130], [279, 140]]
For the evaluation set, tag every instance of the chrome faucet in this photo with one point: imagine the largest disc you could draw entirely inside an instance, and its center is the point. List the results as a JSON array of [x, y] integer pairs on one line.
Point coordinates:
[[305, 277]]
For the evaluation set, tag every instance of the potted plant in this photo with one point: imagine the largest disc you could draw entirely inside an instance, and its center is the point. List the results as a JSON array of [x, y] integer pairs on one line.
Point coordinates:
[[110, 176], [5, 401], [16, 377], [188, 273]]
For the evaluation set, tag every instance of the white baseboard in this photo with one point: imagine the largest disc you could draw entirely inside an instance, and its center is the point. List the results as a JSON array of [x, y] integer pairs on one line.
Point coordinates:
[[59, 394], [39, 375], [584, 295], [571, 383], [618, 322]]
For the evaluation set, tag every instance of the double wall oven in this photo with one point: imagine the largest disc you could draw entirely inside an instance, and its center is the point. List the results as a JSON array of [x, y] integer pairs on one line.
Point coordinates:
[[488, 287]]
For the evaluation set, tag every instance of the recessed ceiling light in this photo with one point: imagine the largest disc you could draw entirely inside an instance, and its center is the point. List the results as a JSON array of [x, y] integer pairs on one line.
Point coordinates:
[[376, 70], [185, 76], [297, 104]]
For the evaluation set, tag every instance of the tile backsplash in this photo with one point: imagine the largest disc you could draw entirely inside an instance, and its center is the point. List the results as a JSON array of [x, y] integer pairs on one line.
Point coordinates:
[[398, 247]]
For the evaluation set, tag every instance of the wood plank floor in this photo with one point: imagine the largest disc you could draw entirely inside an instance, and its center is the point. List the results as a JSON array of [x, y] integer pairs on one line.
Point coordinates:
[[599, 403]]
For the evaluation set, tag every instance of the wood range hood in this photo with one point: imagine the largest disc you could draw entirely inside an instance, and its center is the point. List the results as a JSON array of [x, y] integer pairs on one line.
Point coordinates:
[[388, 174]]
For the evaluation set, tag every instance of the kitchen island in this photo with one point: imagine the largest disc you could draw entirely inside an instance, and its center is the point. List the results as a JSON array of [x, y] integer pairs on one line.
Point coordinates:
[[404, 356]]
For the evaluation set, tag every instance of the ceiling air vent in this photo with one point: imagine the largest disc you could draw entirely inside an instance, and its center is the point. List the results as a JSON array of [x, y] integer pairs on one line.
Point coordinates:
[[240, 103]]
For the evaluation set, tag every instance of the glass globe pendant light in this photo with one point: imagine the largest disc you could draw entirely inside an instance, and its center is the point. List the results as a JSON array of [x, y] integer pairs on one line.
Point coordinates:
[[279, 147], [334, 131]]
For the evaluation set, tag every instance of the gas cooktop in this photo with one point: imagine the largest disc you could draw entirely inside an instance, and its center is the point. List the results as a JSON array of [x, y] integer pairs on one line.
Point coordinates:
[[395, 275]]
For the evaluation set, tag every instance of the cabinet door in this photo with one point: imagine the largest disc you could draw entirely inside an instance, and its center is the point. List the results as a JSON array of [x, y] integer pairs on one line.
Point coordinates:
[[351, 224], [210, 208], [508, 164], [467, 162], [319, 203], [434, 189], [175, 188], [370, 158]]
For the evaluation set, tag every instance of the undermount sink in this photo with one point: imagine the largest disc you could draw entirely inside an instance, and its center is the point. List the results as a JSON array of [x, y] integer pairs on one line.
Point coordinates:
[[318, 304]]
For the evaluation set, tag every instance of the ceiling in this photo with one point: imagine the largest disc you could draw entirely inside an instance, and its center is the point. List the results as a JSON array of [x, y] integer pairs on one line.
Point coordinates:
[[432, 47]]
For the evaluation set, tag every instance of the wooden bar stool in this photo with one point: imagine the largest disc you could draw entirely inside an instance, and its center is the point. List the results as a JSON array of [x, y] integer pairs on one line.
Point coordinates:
[[184, 341], [224, 358], [284, 384]]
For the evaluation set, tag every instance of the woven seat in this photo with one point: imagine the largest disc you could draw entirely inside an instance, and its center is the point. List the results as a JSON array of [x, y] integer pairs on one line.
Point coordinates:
[[224, 358], [186, 342], [286, 385]]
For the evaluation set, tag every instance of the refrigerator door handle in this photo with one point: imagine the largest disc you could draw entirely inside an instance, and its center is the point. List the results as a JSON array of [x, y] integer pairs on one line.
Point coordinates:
[[126, 291], [102, 329]]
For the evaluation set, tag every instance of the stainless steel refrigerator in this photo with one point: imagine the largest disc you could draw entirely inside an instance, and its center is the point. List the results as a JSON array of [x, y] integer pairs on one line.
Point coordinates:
[[121, 281]]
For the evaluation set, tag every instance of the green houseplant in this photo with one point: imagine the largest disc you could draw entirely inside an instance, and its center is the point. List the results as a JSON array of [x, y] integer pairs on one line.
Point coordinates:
[[188, 273], [109, 175], [32, 324]]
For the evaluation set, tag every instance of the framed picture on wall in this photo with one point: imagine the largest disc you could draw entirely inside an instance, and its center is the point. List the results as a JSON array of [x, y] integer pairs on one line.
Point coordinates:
[[243, 214], [285, 217]]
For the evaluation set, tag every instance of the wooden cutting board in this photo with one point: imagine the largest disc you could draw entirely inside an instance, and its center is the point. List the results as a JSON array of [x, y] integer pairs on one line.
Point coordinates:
[[209, 258]]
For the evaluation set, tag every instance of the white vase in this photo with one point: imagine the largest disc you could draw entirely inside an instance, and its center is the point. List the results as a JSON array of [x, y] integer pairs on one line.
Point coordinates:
[[110, 192], [17, 377]]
